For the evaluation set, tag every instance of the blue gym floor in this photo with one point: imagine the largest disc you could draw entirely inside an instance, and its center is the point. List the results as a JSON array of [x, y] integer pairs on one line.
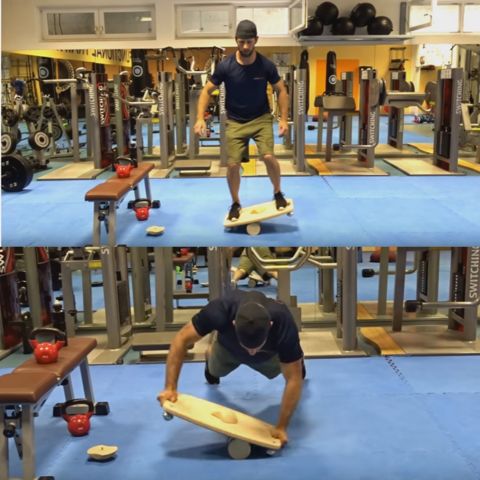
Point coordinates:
[[358, 419], [340, 211], [397, 210]]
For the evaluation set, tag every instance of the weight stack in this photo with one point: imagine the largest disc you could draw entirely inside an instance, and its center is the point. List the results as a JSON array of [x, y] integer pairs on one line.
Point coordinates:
[[46, 71], [140, 73]]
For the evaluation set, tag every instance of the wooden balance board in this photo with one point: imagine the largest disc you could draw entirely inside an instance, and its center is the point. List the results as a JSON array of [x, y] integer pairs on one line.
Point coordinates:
[[242, 430], [251, 216]]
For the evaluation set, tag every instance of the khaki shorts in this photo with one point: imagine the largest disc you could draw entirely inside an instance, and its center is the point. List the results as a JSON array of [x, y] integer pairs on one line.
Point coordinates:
[[248, 266], [221, 362], [239, 135]]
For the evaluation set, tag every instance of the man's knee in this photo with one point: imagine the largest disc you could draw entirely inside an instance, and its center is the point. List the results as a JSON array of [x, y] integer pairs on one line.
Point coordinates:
[[269, 158], [234, 167]]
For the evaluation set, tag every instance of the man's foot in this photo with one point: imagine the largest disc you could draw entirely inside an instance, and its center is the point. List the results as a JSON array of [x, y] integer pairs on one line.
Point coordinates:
[[280, 201], [209, 377], [235, 210]]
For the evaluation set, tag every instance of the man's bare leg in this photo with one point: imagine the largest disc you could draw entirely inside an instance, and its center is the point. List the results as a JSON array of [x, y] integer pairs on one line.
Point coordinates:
[[233, 179]]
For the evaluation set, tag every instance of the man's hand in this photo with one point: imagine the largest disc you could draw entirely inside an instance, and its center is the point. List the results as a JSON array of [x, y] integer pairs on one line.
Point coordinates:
[[282, 128], [168, 395], [280, 434], [200, 127]]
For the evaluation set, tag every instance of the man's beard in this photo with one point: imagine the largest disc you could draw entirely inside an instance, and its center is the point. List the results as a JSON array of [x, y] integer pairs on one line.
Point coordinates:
[[246, 54]]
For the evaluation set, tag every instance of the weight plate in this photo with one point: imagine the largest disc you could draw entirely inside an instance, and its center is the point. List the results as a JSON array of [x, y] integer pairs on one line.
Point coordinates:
[[56, 131], [10, 117], [32, 114], [382, 91], [412, 87], [431, 93], [17, 173], [48, 112], [9, 143], [39, 140]]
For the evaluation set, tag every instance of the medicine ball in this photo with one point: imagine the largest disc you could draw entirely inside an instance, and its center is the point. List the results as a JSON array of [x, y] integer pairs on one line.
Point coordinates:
[[314, 27], [327, 13], [343, 26], [363, 14], [380, 26]]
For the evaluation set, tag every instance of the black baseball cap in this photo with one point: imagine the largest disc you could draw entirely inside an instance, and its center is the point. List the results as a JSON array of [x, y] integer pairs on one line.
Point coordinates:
[[246, 30], [252, 322]]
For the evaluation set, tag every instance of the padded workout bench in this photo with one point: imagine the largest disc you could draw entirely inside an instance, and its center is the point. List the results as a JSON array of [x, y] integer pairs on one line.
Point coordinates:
[[108, 196], [24, 391]]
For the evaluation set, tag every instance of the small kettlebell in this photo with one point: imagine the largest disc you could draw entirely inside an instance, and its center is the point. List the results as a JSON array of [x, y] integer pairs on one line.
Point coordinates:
[[142, 213], [78, 425], [124, 171], [46, 352]]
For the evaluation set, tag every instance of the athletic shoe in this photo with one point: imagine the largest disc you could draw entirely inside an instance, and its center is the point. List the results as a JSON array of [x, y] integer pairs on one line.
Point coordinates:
[[235, 210], [280, 201]]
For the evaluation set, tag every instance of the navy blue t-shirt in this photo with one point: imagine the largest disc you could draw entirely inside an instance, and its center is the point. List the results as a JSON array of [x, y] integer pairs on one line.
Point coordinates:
[[283, 338], [246, 86]]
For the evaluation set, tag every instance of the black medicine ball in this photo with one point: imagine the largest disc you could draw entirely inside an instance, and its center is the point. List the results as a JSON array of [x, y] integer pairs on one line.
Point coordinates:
[[380, 26], [327, 13], [363, 14], [343, 26], [314, 27]]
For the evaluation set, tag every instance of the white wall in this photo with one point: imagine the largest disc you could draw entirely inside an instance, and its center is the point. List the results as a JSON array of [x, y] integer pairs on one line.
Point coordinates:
[[21, 24]]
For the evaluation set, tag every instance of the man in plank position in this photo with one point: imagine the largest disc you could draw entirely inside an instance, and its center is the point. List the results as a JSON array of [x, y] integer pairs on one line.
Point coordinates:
[[246, 74], [252, 330]]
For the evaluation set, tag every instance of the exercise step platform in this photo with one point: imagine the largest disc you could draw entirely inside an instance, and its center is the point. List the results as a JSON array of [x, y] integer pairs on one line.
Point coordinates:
[[193, 165], [153, 341]]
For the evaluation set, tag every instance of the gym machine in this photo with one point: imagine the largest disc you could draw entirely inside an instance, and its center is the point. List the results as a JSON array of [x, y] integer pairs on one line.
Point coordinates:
[[346, 265], [117, 317], [445, 99], [15, 326], [464, 294], [195, 164], [344, 121], [154, 346], [99, 149], [120, 86]]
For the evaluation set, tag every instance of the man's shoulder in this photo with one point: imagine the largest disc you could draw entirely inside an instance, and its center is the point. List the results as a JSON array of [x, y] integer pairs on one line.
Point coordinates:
[[265, 60]]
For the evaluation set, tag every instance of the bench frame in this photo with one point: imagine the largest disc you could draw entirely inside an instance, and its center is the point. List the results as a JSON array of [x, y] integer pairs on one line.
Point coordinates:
[[23, 417], [106, 211]]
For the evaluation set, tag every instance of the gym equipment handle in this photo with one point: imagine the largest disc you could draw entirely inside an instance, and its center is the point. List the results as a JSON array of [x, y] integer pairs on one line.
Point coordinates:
[[279, 264], [420, 305]]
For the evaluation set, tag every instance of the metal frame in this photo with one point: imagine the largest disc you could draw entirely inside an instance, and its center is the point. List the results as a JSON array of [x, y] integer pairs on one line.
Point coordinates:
[[25, 425], [119, 330]]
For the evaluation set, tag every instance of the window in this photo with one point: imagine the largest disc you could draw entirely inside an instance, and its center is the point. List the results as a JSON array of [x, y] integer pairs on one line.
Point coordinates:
[[446, 18], [85, 23], [204, 21], [471, 18], [269, 21]]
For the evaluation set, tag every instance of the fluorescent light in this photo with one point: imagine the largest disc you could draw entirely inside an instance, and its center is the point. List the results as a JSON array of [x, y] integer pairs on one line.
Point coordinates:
[[146, 19]]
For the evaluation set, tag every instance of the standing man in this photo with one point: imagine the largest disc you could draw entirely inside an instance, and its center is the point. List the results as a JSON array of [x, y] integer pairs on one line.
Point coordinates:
[[252, 330], [19, 85], [246, 74]]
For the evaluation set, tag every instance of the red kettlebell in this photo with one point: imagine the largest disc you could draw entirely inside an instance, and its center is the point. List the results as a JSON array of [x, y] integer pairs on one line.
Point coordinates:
[[142, 212], [78, 425], [46, 352], [184, 251], [188, 284], [123, 171]]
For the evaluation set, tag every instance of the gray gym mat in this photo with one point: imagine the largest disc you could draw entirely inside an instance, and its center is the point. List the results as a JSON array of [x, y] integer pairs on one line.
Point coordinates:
[[417, 166], [73, 171], [383, 149], [432, 339], [317, 344]]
